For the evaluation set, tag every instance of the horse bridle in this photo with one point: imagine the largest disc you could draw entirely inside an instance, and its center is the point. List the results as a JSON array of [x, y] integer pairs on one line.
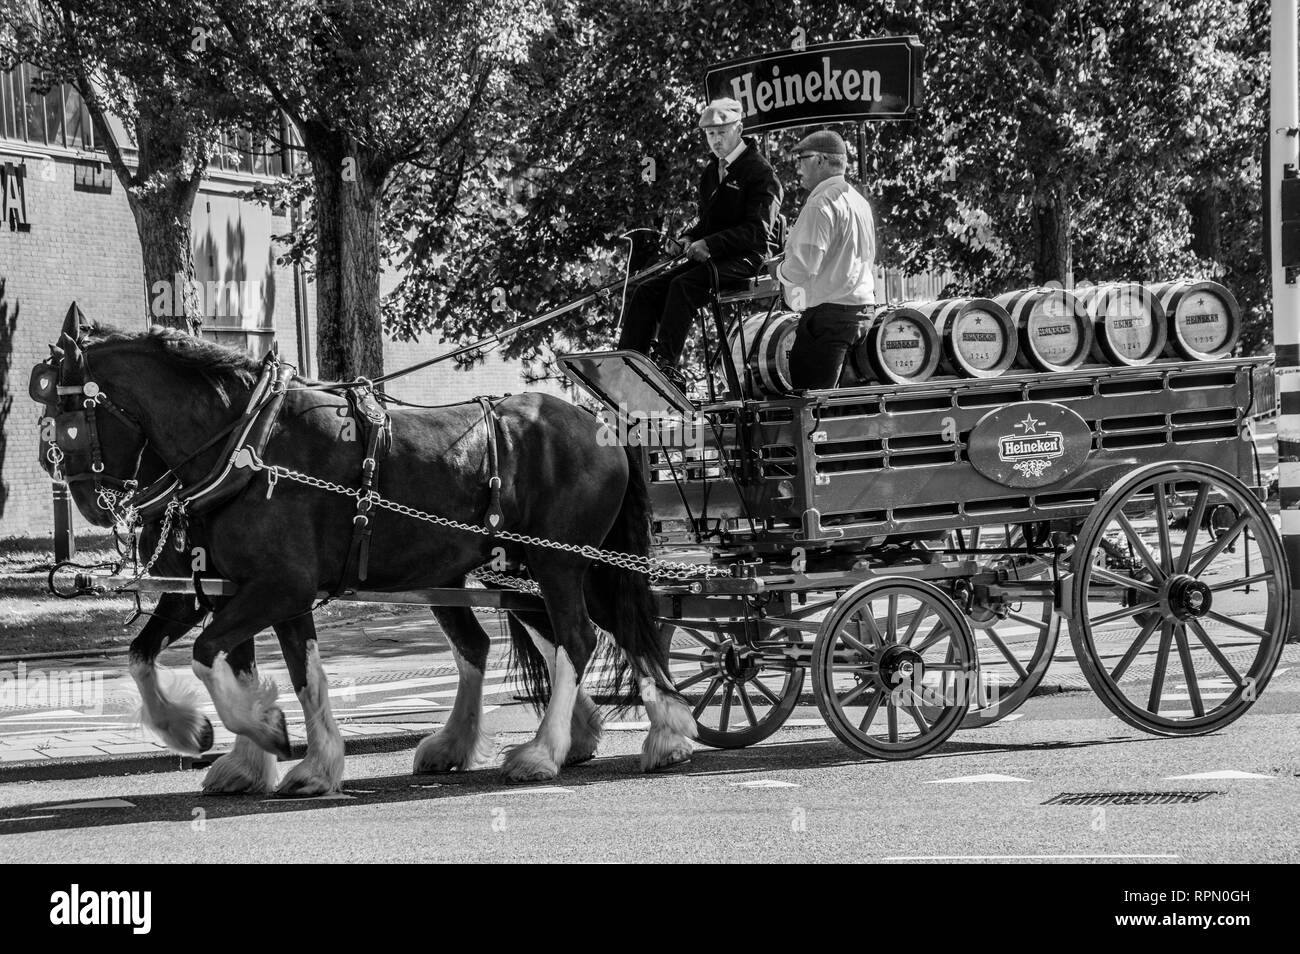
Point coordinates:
[[77, 432]]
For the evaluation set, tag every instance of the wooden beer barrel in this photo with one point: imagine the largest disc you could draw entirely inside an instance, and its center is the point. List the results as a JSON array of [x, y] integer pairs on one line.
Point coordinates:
[[1204, 319], [977, 337], [900, 346], [1055, 332], [767, 342], [1128, 323]]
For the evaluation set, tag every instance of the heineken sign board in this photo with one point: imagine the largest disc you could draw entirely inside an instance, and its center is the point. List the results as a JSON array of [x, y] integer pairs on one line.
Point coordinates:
[[847, 81]]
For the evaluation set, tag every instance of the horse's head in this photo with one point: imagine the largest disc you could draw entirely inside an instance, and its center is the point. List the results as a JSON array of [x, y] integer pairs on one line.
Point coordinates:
[[86, 438]]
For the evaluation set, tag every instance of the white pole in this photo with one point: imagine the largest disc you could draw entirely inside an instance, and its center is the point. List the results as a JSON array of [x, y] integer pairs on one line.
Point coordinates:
[[1284, 151]]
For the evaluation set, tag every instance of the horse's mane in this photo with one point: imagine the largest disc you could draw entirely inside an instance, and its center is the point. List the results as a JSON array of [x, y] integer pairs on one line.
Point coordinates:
[[219, 363]]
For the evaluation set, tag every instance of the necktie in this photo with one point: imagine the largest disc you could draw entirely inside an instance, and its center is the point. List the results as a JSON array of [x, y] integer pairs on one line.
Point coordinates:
[[722, 169]]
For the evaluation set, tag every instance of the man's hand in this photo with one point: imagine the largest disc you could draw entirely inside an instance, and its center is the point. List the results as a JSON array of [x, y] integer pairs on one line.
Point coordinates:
[[774, 265], [673, 247], [698, 251]]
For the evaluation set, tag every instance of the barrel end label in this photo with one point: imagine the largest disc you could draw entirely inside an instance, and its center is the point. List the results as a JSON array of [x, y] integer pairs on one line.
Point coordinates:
[[1030, 444]]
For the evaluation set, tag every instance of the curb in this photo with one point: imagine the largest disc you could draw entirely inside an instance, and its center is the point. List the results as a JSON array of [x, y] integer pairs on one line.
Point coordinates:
[[49, 770]]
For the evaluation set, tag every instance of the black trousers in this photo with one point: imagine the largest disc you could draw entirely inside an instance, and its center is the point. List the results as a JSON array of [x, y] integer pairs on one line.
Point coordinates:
[[661, 307], [821, 343]]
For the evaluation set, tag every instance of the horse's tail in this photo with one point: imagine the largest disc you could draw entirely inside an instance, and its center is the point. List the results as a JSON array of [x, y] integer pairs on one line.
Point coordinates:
[[631, 605], [528, 663]]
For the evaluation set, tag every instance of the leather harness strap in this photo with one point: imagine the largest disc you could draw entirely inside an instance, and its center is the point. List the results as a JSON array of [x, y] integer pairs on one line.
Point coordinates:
[[493, 516], [375, 425]]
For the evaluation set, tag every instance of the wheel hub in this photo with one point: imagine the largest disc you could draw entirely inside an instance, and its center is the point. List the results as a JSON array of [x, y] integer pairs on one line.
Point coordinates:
[[900, 665], [1187, 597], [736, 662]]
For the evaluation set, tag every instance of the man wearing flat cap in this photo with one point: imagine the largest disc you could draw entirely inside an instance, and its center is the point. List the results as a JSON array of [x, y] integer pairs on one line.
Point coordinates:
[[738, 203], [827, 269]]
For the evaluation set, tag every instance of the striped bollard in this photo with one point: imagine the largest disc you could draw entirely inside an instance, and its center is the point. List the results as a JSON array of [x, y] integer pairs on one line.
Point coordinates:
[[1283, 156]]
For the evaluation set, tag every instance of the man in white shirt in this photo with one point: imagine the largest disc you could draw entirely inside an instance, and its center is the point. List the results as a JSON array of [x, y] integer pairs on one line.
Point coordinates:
[[826, 270]]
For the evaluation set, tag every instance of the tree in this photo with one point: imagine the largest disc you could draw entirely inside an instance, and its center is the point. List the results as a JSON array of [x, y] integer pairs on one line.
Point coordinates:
[[1053, 138], [135, 60], [370, 86]]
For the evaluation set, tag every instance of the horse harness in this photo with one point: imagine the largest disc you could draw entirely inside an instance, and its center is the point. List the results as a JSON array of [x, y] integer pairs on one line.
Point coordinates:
[[376, 429]]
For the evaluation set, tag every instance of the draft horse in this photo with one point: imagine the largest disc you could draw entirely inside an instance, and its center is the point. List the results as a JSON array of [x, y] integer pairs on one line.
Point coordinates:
[[158, 401]]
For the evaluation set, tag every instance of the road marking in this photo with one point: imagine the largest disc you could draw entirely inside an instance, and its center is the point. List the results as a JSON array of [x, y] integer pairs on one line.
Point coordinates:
[[990, 777], [1224, 773], [1011, 857], [102, 803], [765, 783]]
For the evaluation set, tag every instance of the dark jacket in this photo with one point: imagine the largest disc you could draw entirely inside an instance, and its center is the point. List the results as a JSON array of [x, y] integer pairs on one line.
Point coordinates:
[[736, 219]]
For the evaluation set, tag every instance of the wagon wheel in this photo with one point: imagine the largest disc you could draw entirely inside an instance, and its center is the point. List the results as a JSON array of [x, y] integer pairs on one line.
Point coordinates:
[[1014, 640], [1195, 569], [738, 696], [893, 666]]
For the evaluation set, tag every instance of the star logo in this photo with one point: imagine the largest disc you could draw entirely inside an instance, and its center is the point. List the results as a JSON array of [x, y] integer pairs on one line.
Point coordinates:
[[1029, 424]]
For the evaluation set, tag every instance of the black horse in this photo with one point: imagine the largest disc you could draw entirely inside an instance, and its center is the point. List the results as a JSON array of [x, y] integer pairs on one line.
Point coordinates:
[[559, 483]]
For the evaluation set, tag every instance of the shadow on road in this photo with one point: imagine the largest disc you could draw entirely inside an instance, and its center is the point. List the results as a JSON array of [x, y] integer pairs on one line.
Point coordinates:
[[405, 788]]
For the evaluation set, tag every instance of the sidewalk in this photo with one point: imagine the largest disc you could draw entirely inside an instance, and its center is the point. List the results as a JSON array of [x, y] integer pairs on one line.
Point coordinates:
[[392, 681]]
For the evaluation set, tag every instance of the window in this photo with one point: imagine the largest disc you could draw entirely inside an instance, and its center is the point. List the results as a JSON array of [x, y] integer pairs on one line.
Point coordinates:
[[57, 118]]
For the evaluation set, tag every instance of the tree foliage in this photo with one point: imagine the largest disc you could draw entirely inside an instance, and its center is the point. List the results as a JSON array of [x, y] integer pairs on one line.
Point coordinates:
[[1056, 138]]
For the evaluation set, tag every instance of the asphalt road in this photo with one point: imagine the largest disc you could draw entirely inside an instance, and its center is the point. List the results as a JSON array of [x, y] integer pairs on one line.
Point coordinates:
[[799, 797]]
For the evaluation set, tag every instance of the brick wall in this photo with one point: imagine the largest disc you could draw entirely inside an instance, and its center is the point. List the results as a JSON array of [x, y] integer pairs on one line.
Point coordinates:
[[82, 247]]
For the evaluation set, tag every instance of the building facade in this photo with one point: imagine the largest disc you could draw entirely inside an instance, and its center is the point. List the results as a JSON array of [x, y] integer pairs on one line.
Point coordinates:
[[67, 235]]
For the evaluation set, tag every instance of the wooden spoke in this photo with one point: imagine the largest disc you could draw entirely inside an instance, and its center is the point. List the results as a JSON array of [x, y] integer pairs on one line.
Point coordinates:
[[868, 616], [767, 693], [1244, 581], [682, 656], [1193, 528], [854, 694], [1137, 543], [946, 667], [1119, 579], [701, 639], [891, 718], [726, 709], [915, 624], [1238, 624], [917, 717], [865, 724], [857, 644], [746, 704], [891, 618], [1189, 671], [707, 697], [1143, 637], [1124, 613], [1221, 544], [1162, 663], [703, 674], [1199, 631], [1162, 528], [1029, 621], [939, 631], [1010, 656]]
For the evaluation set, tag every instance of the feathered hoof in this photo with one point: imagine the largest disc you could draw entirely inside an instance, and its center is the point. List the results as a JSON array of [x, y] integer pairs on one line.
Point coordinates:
[[309, 778], [272, 733], [246, 770], [187, 732], [450, 751], [585, 730], [529, 763], [665, 749]]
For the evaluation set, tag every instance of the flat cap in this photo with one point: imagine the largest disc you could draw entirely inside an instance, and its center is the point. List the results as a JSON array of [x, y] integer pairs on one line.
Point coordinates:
[[825, 141], [721, 112]]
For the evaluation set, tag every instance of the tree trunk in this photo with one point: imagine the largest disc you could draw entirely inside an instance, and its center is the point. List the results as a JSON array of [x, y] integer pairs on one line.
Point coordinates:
[[349, 332], [162, 218], [1051, 229]]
